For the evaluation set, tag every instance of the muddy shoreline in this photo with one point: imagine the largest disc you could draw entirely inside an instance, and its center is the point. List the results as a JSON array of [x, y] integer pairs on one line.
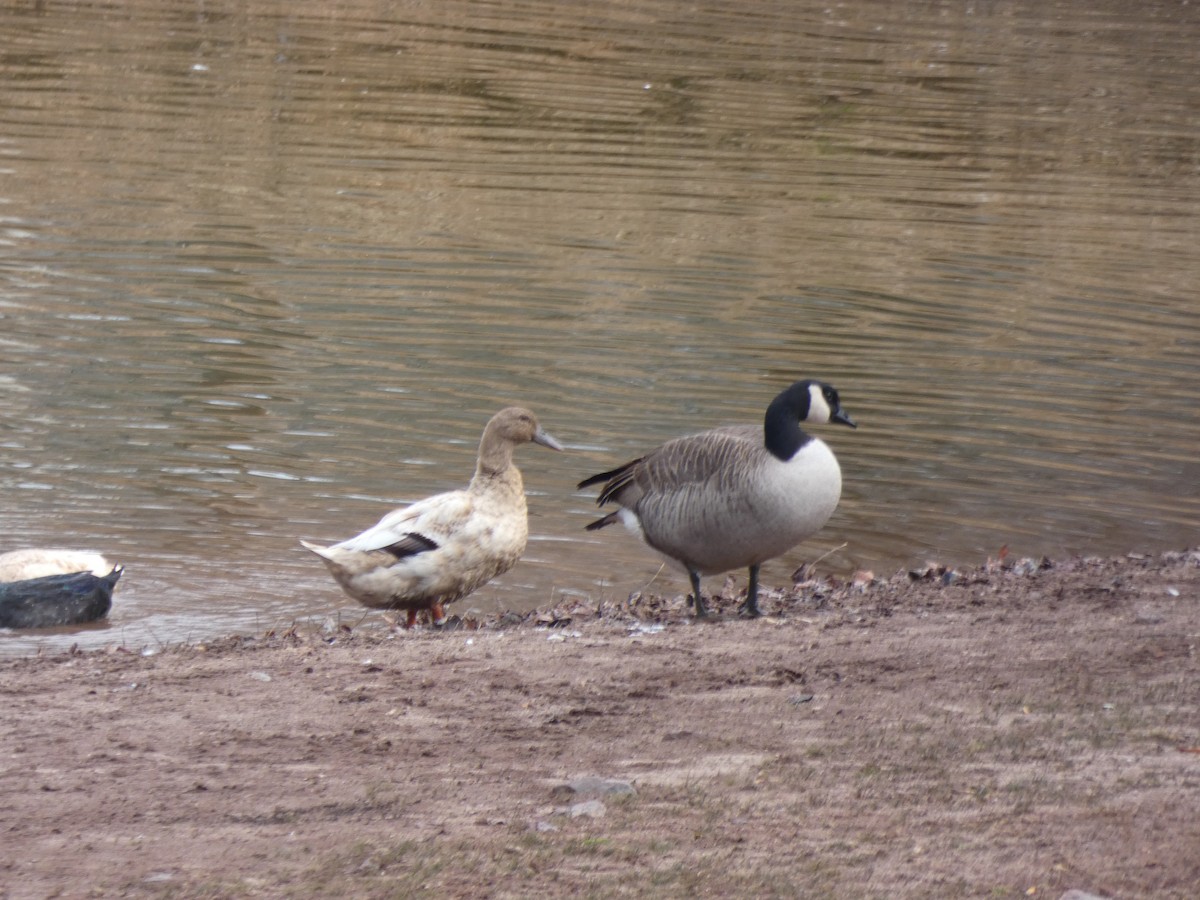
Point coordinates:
[[1020, 729]]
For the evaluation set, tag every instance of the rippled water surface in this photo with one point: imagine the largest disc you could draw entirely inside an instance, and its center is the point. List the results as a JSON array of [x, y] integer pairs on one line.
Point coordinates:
[[265, 274]]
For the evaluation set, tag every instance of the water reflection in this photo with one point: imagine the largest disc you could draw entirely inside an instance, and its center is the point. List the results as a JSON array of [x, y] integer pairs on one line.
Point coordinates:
[[266, 274]]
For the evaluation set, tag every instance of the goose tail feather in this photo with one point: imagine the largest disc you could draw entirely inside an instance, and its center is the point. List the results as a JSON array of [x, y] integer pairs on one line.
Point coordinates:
[[607, 476], [611, 519]]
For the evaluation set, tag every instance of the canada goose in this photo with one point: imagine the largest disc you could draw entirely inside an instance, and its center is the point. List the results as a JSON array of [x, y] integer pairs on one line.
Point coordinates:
[[733, 496], [40, 588], [440, 549]]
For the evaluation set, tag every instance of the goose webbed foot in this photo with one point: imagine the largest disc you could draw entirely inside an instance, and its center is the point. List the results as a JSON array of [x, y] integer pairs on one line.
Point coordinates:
[[749, 609], [696, 601]]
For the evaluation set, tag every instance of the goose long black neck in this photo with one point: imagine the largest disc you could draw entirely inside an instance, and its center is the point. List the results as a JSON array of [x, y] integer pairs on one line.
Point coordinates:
[[782, 434]]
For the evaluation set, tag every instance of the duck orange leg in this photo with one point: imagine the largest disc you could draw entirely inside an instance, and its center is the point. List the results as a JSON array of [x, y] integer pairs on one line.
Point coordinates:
[[437, 614], [412, 619]]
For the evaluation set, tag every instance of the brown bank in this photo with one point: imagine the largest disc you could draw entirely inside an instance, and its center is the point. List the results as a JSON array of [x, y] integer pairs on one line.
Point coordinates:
[[1013, 731]]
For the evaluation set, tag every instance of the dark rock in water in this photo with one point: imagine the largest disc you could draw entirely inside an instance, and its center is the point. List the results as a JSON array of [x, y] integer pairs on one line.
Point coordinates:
[[57, 599]]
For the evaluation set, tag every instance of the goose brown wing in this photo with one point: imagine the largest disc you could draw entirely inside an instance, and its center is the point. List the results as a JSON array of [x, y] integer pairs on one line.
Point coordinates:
[[708, 458], [678, 465]]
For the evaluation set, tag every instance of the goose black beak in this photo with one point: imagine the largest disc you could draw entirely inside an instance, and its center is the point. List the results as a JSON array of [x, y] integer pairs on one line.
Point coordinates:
[[841, 417]]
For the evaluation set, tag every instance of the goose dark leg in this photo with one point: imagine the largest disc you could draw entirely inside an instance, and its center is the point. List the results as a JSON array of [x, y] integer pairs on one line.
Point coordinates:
[[750, 607], [697, 600]]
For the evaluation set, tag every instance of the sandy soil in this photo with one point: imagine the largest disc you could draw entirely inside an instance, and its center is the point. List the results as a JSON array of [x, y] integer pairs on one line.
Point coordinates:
[[1018, 730]]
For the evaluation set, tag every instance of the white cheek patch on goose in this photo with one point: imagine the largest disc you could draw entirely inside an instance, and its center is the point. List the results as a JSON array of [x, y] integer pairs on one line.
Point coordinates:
[[818, 409]]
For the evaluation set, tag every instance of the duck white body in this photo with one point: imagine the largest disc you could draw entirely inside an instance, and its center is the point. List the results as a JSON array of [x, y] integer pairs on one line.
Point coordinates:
[[36, 562], [733, 496], [442, 548], [41, 588]]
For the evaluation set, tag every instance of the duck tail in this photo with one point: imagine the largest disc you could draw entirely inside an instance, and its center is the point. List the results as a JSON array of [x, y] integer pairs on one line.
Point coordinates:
[[113, 577], [315, 548]]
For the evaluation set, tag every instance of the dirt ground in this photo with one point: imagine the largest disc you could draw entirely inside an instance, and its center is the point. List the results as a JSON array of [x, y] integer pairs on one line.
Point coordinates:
[[1018, 730]]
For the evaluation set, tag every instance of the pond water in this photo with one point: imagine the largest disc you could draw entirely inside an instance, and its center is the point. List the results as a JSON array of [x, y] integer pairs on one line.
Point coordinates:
[[265, 274]]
